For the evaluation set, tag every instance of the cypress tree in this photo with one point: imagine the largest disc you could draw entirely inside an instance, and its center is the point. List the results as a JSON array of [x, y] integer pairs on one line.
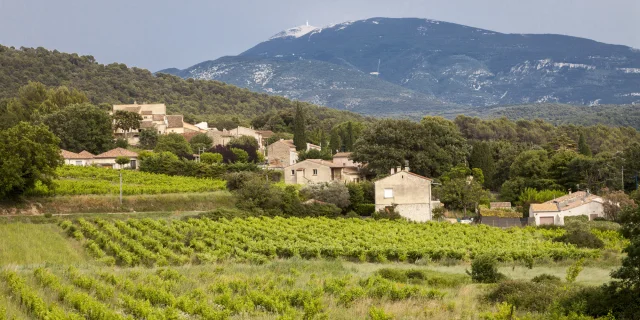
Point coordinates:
[[299, 137], [583, 147], [335, 142], [348, 141], [481, 157]]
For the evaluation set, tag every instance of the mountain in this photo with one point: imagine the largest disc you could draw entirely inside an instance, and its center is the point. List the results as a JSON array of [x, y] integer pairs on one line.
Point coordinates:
[[409, 66], [222, 105]]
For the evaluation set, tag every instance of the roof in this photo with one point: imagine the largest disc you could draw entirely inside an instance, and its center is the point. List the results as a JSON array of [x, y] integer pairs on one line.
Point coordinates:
[[190, 135], [408, 172], [323, 163], [544, 207], [146, 124], [266, 133], [578, 203], [174, 121], [495, 205], [117, 152], [287, 142], [569, 197], [87, 154], [342, 155], [146, 112], [158, 117], [132, 109], [70, 155]]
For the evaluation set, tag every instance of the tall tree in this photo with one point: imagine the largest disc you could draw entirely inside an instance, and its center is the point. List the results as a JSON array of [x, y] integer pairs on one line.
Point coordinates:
[[482, 157], [174, 143], [335, 143], [148, 139], [462, 188], [583, 147], [28, 154], [82, 127], [202, 142], [348, 141], [299, 135]]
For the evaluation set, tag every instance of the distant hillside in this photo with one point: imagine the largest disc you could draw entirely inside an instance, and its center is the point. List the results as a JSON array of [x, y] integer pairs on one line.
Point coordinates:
[[221, 104], [558, 114], [409, 66]]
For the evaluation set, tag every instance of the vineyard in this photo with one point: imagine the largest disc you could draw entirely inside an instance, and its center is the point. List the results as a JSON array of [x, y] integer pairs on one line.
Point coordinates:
[[214, 293], [76, 180], [148, 242]]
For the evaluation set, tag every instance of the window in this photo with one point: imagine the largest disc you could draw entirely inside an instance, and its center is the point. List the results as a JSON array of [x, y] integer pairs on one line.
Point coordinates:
[[315, 172], [388, 193], [293, 172], [78, 163]]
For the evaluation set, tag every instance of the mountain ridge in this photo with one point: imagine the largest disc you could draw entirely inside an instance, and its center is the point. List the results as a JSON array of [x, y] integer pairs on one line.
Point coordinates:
[[449, 66]]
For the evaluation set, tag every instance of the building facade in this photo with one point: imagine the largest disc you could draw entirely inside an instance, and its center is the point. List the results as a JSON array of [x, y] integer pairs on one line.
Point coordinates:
[[554, 212], [408, 192]]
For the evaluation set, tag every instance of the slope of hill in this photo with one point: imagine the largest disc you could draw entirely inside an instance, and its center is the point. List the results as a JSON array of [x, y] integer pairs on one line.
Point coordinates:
[[445, 64], [221, 104]]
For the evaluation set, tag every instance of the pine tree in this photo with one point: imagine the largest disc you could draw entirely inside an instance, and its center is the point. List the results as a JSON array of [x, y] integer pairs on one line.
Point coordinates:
[[348, 141], [299, 137], [583, 147], [481, 157], [335, 142]]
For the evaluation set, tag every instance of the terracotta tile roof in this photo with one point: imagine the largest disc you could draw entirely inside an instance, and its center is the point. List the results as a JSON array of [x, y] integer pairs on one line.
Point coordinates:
[[342, 155], [287, 142], [146, 124], [544, 207], [266, 133], [569, 197], [408, 172], [87, 154], [70, 155], [158, 117], [495, 205], [578, 203], [174, 121], [117, 152], [190, 135]]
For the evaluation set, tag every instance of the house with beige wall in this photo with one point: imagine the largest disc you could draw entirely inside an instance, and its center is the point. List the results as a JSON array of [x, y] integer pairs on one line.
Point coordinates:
[[108, 159], [410, 193], [553, 212], [84, 158], [318, 171], [282, 153]]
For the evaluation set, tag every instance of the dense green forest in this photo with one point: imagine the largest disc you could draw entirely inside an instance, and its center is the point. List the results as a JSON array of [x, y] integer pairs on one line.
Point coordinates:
[[222, 105]]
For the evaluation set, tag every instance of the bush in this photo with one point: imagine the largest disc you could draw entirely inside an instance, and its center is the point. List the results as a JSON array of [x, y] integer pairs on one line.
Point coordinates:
[[484, 269], [222, 213], [241, 155], [211, 158], [579, 234], [576, 218], [237, 180], [365, 209], [416, 276], [389, 213], [529, 296], [122, 143], [334, 192], [546, 278]]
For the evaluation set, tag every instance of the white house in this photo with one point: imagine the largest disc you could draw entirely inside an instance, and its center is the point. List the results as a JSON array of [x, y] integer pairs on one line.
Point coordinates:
[[580, 203], [410, 193], [83, 158], [108, 159]]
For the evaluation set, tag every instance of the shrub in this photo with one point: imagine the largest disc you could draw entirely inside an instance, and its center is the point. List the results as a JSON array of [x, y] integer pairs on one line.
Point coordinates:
[[319, 210], [546, 278], [122, 143], [389, 213], [211, 158], [237, 180], [222, 213], [574, 270], [365, 209], [335, 193], [484, 269], [525, 295], [241, 155], [579, 234], [378, 314]]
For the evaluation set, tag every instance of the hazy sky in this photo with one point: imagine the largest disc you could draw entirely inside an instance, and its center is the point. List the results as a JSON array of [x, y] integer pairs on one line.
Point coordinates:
[[157, 34]]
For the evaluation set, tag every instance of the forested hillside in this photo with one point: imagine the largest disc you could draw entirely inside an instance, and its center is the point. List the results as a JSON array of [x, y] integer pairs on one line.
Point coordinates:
[[199, 100]]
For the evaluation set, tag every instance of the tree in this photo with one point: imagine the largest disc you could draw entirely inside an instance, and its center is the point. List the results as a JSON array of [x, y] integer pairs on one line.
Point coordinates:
[[82, 127], [242, 141], [531, 164], [335, 143], [201, 141], [126, 120], [174, 143], [616, 202], [148, 139], [481, 157], [241, 155], [432, 146], [462, 188], [313, 154], [211, 158], [334, 192], [28, 154], [583, 147], [122, 161], [348, 141], [299, 128], [122, 143]]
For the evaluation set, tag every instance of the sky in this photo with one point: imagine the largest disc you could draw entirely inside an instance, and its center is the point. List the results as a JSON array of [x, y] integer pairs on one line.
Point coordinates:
[[158, 34]]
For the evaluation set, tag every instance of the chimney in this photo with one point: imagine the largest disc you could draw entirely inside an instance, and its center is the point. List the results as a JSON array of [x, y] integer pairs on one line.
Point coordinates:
[[406, 166], [392, 170]]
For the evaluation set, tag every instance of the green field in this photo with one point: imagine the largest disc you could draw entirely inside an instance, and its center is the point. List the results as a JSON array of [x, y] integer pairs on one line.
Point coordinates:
[[165, 266], [75, 180]]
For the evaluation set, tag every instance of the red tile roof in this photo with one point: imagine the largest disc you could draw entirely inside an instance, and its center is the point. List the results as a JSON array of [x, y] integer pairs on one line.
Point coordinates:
[[158, 117], [117, 152], [70, 155], [174, 121], [190, 135], [87, 154]]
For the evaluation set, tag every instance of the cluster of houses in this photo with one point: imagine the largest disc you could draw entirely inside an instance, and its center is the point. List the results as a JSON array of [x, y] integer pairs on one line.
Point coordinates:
[[407, 193]]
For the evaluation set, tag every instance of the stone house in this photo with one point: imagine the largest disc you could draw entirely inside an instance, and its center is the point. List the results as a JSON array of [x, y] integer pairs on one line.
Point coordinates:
[[282, 153], [83, 158], [318, 171], [222, 137], [108, 159], [580, 203], [410, 193]]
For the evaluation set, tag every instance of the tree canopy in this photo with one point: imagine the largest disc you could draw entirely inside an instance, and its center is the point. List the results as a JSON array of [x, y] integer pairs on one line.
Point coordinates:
[[81, 127]]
